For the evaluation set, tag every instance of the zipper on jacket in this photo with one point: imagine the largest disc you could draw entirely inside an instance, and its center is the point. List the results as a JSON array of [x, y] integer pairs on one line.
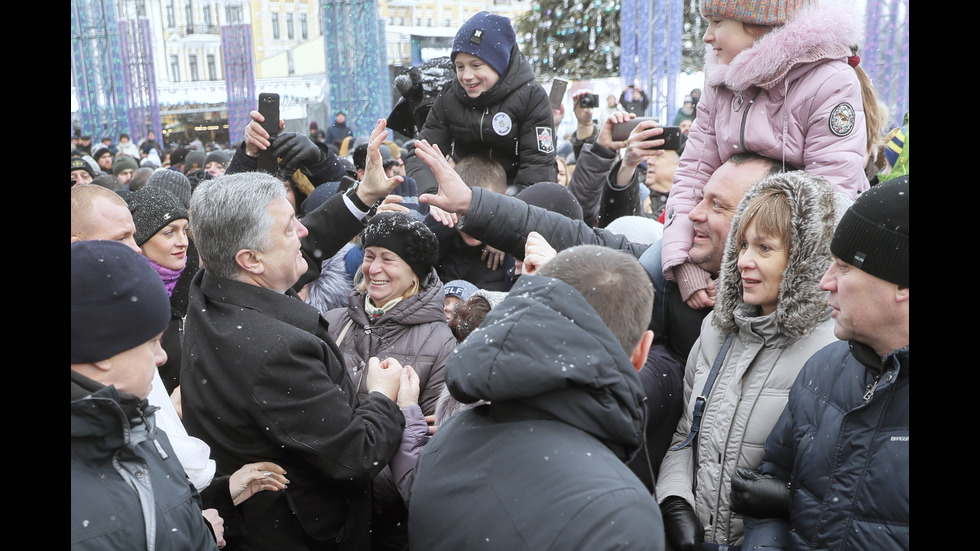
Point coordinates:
[[869, 394], [486, 111], [745, 116]]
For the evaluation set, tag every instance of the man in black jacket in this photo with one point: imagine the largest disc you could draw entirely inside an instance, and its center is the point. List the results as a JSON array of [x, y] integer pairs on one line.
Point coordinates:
[[262, 377]]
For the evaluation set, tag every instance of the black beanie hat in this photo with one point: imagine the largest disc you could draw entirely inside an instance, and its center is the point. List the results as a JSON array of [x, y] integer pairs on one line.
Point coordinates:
[[153, 207], [78, 163], [405, 236], [552, 196], [489, 37], [118, 301], [873, 234]]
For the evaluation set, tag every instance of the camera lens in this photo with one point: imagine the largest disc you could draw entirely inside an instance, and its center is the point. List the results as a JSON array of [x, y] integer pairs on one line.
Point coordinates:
[[586, 102]]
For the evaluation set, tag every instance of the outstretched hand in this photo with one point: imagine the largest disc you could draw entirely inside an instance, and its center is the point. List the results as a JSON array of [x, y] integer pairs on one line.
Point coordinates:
[[376, 184], [454, 195], [295, 150], [641, 141]]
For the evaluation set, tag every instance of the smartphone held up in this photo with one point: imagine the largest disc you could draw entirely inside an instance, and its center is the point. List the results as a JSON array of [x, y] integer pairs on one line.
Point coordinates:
[[671, 134]]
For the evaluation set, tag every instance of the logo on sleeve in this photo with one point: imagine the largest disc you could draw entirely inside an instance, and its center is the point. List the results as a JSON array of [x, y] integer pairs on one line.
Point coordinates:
[[502, 124], [546, 141], [842, 119]]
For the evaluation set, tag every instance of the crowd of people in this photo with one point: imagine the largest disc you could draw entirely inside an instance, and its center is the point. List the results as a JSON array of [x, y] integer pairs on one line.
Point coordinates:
[[463, 332]]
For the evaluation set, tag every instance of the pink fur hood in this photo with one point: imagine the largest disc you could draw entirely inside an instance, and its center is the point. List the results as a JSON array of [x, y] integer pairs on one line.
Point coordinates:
[[821, 33]]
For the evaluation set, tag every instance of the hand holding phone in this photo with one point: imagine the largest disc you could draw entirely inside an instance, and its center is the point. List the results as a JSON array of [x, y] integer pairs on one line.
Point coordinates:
[[269, 108], [671, 134]]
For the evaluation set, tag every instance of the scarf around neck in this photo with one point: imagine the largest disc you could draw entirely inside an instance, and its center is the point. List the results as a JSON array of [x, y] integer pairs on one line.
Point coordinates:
[[168, 276]]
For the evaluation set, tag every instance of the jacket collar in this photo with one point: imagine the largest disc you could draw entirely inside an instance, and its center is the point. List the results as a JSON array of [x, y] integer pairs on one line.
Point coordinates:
[[285, 307]]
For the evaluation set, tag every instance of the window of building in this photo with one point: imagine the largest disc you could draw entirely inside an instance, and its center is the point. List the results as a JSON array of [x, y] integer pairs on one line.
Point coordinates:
[[208, 20], [174, 68], [170, 14], [275, 26], [188, 13], [303, 30], [141, 8], [192, 62], [212, 68], [289, 26], [233, 15]]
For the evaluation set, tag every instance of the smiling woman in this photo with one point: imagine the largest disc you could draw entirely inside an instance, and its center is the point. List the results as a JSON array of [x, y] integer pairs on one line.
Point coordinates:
[[396, 310], [769, 318]]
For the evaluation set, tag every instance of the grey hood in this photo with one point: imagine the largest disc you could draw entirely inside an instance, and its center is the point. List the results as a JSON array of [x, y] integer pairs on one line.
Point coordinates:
[[815, 211]]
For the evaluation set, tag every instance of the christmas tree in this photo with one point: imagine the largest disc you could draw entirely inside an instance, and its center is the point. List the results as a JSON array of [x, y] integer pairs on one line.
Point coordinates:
[[572, 39], [580, 39]]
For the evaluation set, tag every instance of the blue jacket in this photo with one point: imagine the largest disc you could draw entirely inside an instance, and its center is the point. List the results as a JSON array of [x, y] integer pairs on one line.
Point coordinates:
[[843, 443]]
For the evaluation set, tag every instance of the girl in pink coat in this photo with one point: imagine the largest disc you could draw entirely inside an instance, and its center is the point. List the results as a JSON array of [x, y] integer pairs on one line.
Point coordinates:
[[781, 81]]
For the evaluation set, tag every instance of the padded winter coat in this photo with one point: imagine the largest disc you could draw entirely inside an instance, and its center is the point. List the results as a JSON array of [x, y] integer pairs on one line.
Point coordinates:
[[791, 97], [511, 122], [845, 451], [128, 491], [542, 465], [414, 332]]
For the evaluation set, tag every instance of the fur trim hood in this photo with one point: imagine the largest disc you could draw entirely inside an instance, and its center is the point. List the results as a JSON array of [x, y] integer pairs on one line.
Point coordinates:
[[815, 211], [816, 34]]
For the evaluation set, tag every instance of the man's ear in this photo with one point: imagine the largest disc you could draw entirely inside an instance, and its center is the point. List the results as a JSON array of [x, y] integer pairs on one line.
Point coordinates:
[[103, 365], [249, 260], [902, 294], [639, 356]]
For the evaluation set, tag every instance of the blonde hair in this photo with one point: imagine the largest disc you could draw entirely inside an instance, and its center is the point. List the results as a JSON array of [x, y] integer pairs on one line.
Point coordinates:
[[875, 113], [770, 211]]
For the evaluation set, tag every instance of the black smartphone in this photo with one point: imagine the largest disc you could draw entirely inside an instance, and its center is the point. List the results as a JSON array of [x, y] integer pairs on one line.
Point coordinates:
[[269, 108], [557, 94], [671, 134]]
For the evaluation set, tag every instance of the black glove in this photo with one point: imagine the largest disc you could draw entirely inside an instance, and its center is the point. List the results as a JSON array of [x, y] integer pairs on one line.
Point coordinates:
[[681, 525], [295, 151], [760, 496]]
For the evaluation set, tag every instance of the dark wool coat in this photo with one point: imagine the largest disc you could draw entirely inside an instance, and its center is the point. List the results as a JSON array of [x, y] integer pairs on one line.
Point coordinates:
[[263, 380], [542, 466], [512, 122]]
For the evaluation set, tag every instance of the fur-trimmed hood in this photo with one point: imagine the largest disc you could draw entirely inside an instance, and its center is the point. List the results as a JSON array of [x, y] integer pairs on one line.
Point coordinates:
[[817, 34], [815, 210]]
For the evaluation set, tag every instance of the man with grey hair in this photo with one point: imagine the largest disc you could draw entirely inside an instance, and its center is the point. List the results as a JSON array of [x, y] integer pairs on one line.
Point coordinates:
[[263, 379]]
